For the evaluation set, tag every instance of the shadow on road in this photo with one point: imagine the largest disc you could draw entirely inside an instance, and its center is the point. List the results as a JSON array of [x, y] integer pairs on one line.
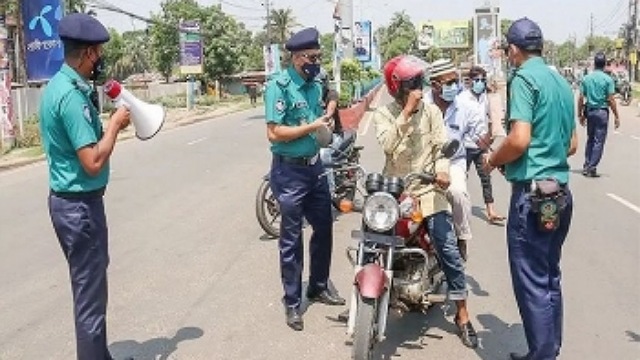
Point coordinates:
[[633, 337], [475, 287], [498, 339], [155, 349], [411, 331]]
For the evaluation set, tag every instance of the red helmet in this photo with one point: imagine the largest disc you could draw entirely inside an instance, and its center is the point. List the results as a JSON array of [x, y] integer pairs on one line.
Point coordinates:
[[402, 68]]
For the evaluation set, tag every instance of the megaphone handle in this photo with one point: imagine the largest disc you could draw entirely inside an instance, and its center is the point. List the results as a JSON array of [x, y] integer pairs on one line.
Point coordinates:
[[121, 102]]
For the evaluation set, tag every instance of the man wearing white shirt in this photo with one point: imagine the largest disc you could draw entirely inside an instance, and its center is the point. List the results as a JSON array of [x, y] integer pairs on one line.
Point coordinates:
[[462, 119], [476, 95]]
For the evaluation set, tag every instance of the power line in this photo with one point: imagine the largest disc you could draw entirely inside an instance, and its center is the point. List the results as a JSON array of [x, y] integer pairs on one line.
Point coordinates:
[[239, 6]]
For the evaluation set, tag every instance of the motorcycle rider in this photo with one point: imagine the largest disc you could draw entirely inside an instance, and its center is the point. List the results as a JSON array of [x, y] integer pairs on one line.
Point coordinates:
[[411, 134], [462, 120]]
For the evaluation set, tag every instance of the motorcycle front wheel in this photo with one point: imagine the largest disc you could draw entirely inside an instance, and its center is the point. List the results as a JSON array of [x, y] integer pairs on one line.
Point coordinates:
[[268, 210], [365, 329]]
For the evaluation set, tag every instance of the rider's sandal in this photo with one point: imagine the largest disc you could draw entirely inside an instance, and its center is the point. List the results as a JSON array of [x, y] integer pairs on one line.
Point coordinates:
[[467, 334]]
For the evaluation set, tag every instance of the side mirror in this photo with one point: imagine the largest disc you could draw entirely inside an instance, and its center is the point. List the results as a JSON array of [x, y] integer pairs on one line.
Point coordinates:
[[450, 148]]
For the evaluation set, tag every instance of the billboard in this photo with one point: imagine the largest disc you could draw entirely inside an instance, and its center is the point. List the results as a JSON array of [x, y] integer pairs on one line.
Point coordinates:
[[362, 40], [191, 59], [44, 53], [271, 55], [486, 39], [444, 34]]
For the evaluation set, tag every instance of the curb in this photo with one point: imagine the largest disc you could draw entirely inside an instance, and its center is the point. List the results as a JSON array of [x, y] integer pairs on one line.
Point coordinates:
[[20, 162]]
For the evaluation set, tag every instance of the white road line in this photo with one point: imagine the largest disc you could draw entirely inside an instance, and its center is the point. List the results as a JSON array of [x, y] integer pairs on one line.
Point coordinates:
[[635, 137], [196, 141], [624, 202]]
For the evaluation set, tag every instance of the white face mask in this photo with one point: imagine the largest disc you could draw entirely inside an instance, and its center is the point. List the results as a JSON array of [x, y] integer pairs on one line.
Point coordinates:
[[449, 92]]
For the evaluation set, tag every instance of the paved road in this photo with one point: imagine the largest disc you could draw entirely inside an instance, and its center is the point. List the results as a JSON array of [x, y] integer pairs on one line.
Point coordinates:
[[192, 278]]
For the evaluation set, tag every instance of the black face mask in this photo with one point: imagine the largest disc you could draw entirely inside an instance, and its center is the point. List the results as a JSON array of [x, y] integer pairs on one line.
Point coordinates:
[[98, 69]]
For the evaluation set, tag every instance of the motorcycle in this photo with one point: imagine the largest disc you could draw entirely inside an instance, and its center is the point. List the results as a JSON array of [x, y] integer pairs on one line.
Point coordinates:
[[396, 266], [339, 160], [623, 88]]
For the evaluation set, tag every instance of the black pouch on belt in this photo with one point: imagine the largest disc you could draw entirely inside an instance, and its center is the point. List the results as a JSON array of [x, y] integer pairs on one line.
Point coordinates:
[[548, 201]]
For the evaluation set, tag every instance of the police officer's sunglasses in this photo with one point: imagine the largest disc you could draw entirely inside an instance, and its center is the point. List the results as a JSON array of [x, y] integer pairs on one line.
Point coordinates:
[[312, 57]]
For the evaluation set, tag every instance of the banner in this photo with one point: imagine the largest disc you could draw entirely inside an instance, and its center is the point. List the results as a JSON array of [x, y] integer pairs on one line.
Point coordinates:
[[271, 55], [44, 53], [445, 34], [486, 38], [191, 54], [362, 40]]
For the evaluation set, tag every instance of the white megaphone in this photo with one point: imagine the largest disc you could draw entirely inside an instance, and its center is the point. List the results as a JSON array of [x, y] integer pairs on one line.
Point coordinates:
[[147, 118]]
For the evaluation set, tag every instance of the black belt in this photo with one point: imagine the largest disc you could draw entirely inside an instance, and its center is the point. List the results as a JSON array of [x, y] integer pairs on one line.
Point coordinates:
[[597, 109], [304, 161], [79, 194]]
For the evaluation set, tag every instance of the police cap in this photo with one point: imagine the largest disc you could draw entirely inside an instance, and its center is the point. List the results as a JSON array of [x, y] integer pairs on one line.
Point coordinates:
[[82, 28], [305, 39], [525, 34], [600, 60]]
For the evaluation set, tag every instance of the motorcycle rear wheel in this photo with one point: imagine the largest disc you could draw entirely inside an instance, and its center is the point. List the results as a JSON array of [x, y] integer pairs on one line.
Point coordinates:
[[626, 99], [267, 210], [365, 332]]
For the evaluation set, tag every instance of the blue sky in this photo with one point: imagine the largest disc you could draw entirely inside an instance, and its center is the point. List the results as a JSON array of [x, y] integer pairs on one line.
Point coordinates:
[[559, 19]]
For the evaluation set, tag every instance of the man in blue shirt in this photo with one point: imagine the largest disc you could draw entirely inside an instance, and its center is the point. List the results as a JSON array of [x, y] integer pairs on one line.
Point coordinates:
[[596, 97], [541, 136], [294, 116], [78, 152]]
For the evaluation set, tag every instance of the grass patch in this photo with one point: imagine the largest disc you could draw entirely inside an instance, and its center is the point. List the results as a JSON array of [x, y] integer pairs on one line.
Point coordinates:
[[30, 136]]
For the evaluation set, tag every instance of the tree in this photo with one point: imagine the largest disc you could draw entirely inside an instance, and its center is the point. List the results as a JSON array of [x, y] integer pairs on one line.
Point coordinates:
[[74, 6], [226, 42], [282, 23], [255, 56], [326, 42], [398, 38], [113, 52]]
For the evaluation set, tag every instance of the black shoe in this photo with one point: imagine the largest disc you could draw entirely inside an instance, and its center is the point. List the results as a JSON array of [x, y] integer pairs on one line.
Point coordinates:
[[462, 248], [467, 334], [294, 319], [344, 316], [515, 356], [593, 174], [585, 172], [326, 297]]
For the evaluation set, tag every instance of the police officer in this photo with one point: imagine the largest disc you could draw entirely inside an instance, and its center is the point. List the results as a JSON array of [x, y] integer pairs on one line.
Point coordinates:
[[541, 136], [78, 151], [293, 110], [596, 97]]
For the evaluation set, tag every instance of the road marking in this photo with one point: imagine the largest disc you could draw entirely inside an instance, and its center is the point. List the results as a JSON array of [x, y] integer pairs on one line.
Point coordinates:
[[624, 202], [635, 137], [196, 141], [247, 123]]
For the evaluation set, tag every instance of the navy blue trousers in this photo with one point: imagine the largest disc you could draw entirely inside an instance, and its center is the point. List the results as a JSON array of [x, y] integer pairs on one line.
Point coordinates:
[[597, 126], [81, 227], [534, 259], [302, 193]]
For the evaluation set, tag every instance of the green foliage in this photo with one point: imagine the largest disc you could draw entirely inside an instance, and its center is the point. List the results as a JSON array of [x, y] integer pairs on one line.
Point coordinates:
[[326, 42], [74, 5], [226, 42], [30, 136], [398, 38], [351, 70], [281, 25]]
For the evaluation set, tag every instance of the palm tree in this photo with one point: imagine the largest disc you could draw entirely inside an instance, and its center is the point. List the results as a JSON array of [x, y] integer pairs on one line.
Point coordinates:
[[282, 23]]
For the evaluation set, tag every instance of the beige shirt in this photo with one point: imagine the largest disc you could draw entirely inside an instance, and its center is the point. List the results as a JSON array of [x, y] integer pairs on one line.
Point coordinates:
[[415, 150]]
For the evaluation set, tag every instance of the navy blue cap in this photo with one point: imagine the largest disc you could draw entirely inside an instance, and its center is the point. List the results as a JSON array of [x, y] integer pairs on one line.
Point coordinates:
[[525, 34], [82, 28], [600, 60], [305, 39]]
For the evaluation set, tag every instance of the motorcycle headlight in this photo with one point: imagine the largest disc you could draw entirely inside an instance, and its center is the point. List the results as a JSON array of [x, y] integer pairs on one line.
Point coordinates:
[[381, 212]]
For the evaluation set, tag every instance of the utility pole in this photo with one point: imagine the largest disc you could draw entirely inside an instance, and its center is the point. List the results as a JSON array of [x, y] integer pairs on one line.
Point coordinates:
[[267, 7], [7, 135], [631, 39], [591, 46], [346, 16], [337, 47]]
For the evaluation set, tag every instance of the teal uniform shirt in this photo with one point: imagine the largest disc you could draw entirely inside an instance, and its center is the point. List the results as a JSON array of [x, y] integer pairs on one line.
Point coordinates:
[[542, 98], [596, 88], [292, 101], [68, 122]]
